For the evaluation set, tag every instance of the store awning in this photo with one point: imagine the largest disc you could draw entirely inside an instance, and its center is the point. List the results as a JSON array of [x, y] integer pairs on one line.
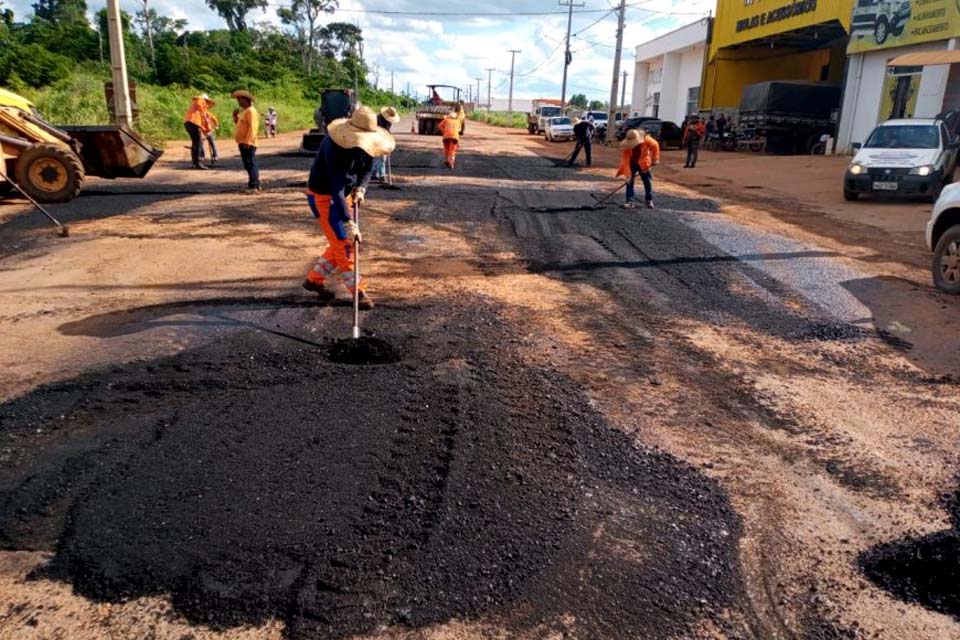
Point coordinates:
[[922, 58]]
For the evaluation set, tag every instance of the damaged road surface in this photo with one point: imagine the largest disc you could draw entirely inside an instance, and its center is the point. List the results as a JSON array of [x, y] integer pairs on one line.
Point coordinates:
[[564, 420]]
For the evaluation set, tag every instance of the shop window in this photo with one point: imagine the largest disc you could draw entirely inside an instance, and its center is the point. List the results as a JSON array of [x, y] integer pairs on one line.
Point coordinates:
[[656, 104], [693, 100]]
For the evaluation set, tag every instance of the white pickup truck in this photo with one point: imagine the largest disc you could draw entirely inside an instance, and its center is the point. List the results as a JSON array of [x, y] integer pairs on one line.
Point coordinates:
[[943, 238]]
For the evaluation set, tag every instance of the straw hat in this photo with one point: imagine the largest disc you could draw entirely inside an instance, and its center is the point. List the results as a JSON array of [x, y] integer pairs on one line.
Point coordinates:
[[206, 98], [634, 137], [361, 130], [575, 120], [390, 115], [243, 93], [453, 114]]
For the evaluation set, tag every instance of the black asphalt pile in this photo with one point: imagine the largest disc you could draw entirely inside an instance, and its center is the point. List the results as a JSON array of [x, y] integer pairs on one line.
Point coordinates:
[[252, 479], [924, 569], [364, 350]]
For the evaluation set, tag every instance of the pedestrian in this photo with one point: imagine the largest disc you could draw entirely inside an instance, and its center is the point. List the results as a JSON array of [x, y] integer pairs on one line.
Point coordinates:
[[721, 126], [711, 126], [211, 125], [641, 152], [193, 122], [270, 126], [338, 178], [691, 140], [387, 117], [247, 124], [450, 132], [582, 133]]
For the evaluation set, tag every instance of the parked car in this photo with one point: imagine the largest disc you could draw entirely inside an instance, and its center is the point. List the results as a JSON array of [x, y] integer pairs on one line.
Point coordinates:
[[668, 134], [632, 123], [558, 129], [882, 18], [909, 157], [943, 238]]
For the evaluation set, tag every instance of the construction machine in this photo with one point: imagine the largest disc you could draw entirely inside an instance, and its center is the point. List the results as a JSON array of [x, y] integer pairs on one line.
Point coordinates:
[[50, 163], [436, 108]]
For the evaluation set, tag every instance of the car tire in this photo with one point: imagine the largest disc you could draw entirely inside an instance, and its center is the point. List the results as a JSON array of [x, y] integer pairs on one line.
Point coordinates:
[[881, 30], [935, 192], [49, 173], [946, 261], [850, 196]]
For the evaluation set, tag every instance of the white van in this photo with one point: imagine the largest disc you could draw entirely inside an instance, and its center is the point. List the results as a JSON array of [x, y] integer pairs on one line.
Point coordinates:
[[914, 157], [943, 239]]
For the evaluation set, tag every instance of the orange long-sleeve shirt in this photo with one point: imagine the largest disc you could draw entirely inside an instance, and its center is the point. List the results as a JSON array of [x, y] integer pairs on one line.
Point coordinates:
[[643, 156], [248, 123]]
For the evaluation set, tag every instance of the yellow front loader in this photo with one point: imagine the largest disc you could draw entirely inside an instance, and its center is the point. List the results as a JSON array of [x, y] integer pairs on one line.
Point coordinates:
[[50, 163]]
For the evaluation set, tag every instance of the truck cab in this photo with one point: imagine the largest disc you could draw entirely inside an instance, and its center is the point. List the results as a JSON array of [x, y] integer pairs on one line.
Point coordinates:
[[542, 111]]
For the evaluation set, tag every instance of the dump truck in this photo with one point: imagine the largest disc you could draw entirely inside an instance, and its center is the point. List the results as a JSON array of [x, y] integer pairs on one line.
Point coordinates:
[[788, 116], [542, 110], [436, 108], [334, 104], [50, 163]]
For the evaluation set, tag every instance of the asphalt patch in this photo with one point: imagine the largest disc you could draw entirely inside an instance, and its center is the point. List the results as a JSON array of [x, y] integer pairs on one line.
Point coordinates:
[[365, 350], [250, 479]]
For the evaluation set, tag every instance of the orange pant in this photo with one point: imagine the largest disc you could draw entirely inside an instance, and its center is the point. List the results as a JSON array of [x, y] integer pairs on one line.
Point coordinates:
[[337, 261], [450, 150]]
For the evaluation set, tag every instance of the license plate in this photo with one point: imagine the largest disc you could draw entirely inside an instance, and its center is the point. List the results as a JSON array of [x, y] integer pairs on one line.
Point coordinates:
[[885, 186]]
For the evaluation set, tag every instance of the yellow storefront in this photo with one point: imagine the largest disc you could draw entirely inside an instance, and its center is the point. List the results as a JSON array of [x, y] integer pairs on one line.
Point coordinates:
[[759, 40]]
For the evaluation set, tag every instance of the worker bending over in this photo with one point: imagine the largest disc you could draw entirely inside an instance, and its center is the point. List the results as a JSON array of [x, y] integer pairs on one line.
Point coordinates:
[[194, 121], [641, 152], [450, 132], [582, 132], [338, 178]]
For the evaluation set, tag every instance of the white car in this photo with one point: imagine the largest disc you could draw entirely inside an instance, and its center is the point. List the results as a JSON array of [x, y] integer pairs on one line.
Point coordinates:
[[558, 129], [914, 157], [943, 238]]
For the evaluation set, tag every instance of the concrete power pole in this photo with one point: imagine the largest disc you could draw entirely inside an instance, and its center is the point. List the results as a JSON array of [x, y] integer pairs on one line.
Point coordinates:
[[477, 104], [611, 109], [567, 56], [623, 92], [391, 84], [489, 82], [513, 58], [118, 65]]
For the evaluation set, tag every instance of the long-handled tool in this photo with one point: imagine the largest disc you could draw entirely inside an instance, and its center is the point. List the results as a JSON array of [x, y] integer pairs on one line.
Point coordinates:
[[62, 228], [609, 195], [356, 274], [389, 183]]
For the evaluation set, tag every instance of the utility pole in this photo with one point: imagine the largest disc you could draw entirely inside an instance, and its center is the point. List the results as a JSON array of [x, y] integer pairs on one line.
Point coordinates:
[[567, 57], [623, 92], [478, 93], [118, 66], [391, 84], [513, 58], [611, 109], [489, 80]]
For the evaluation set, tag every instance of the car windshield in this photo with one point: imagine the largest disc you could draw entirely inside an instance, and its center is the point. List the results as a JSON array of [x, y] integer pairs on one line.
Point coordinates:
[[598, 116], [920, 136], [561, 121], [547, 112]]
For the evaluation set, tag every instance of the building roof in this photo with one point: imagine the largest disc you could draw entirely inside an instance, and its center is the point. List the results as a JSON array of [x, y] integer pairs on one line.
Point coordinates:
[[685, 37]]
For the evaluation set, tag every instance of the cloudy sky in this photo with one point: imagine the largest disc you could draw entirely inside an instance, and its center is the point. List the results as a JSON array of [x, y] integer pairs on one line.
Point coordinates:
[[454, 42]]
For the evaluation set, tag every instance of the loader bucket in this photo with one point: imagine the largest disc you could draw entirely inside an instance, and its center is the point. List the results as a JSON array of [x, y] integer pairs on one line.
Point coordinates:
[[111, 151]]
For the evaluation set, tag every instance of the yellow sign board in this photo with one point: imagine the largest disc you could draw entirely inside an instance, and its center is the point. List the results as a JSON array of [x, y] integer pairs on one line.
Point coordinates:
[[740, 21], [882, 24]]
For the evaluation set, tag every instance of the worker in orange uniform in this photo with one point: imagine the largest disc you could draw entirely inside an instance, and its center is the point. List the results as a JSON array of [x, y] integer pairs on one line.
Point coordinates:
[[194, 121], [692, 136], [338, 178], [450, 132], [641, 153], [247, 124], [211, 124]]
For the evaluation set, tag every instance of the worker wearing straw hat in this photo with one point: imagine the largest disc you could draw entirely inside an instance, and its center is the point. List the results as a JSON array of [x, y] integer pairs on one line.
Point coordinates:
[[450, 132], [247, 121], [339, 178], [641, 152], [387, 117], [194, 121]]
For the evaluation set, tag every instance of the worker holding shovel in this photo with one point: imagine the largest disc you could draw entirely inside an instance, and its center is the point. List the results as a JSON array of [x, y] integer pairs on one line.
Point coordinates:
[[338, 182], [641, 152], [450, 132]]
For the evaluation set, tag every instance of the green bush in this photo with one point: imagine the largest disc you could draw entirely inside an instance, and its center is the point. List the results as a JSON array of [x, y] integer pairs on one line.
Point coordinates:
[[500, 118]]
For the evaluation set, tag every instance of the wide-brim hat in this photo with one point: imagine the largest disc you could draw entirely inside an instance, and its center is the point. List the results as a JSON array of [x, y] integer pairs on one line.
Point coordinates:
[[361, 130], [575, 121], [633, 138], [243, 93], [390, 115], [210, 101]]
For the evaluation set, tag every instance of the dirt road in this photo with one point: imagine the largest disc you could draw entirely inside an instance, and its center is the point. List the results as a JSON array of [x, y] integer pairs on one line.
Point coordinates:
[[698, 421]]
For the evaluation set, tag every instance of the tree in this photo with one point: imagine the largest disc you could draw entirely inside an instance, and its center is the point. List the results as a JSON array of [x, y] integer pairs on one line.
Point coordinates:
[[578, 100], [235, 11], [60, 11], [303, 15], [597, 105]]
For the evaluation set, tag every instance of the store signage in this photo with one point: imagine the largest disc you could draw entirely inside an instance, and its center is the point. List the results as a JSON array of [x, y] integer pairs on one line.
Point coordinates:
[[776, 15], [882, 24]]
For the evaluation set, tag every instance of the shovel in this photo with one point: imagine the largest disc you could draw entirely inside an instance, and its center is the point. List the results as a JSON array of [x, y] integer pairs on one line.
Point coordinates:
[[356, 276], [609, 195], [61, 228], [389, 183]]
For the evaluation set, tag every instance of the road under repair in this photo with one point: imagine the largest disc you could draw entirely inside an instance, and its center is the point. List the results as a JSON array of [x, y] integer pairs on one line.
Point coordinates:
[[695, 421]]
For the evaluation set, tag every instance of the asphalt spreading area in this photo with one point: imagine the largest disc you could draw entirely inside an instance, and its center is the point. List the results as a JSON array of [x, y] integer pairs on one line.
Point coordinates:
[[256, 478]]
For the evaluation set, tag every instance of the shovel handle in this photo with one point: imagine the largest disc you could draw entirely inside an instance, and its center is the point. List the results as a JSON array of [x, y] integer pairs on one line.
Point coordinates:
[[356, 276]]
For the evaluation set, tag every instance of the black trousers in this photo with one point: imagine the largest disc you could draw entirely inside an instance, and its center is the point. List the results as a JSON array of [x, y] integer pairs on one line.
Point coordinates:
[[196, 141], [586, 145], [248, 154], [693, 151]]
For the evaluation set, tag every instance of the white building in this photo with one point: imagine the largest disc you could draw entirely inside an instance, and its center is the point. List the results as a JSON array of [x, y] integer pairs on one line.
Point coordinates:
[[667, 73]]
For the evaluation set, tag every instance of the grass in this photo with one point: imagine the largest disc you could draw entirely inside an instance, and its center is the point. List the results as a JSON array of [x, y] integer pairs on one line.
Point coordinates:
[[500, 119]]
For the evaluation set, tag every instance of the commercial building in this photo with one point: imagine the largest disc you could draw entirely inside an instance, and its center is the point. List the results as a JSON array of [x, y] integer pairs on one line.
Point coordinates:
[[759, 40], [904, 63], [668, 71]]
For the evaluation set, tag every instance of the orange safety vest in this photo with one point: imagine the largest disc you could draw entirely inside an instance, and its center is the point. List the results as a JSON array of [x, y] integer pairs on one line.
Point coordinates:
[[647, 154], [450, 129], [196, 112]]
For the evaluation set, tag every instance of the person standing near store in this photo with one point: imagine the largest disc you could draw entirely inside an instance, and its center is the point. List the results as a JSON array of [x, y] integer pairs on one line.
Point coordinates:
[[247, 124], [691, 140], [641, 153], [721, 126], [582, 133]]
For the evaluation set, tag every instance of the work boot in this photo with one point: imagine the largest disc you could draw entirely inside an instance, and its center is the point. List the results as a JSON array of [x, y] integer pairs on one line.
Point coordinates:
[[322, 292], [198, 165], [649, 204], [365, 302]]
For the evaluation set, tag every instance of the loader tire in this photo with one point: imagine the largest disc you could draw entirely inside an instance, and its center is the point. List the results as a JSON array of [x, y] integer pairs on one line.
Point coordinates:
[[49, 173]]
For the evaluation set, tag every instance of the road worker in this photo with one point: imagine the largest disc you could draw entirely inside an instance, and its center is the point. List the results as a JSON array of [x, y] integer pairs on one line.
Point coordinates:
[[211, 124], [641, 152], [450, 132], [194, 122], [583, 133], [692, 136], [387, 117], [247, 125], [338, 179]]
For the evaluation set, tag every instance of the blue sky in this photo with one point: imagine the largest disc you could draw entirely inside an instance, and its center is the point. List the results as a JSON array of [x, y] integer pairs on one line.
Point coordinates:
[[456, 49]]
